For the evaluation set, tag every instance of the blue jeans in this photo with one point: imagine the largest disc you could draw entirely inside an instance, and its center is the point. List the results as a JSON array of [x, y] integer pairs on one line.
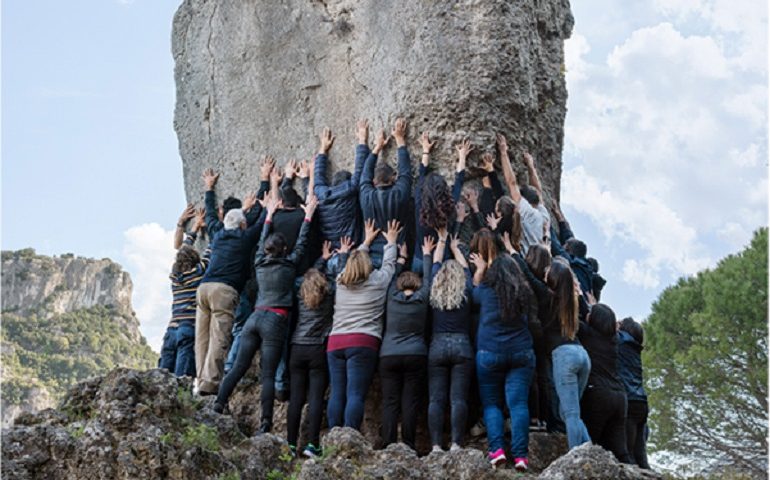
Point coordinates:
[[554, 424], [177, 355], [504, 379], [571, 366], [242, 313], [351, 371]]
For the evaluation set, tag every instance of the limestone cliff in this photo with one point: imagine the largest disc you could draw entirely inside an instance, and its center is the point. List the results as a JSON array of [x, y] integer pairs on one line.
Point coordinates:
[[258, 77], [65, 318]]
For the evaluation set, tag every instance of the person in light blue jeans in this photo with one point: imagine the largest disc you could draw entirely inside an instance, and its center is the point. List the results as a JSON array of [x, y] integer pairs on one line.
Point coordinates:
[[571, 366]]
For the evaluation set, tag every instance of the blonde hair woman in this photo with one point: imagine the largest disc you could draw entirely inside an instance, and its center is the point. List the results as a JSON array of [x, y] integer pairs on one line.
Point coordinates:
[[356, 333], [450, 356]]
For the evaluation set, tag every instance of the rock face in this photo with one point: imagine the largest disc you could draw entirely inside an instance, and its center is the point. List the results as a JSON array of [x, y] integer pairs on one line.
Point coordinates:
[[259, 77], [130, 424], [65, 318], [63, 284]]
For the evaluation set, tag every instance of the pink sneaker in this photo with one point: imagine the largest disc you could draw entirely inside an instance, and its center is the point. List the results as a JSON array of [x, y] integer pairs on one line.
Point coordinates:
[[521, 464], [497, 457]]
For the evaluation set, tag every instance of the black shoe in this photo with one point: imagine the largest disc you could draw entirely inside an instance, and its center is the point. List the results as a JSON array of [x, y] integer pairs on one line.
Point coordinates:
[[282, 395], [206, 394], [218, 407], [266, 427]]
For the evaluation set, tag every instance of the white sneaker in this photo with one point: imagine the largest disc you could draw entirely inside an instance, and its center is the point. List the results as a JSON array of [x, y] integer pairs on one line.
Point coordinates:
[[436, 449], [455, 448], [195, 387]]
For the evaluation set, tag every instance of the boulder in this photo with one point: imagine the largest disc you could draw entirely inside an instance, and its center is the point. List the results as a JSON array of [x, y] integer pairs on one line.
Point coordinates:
[[256, 77], [588, 462]]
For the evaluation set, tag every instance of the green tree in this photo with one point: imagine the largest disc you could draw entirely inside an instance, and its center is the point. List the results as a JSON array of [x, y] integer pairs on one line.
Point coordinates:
[[706, 362]]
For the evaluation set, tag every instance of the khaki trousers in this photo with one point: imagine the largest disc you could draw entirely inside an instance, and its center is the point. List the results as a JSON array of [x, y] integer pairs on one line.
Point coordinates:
[[213, 323]]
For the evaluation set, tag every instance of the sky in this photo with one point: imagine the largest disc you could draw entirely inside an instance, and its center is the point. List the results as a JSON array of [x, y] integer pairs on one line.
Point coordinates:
[[665, 149]]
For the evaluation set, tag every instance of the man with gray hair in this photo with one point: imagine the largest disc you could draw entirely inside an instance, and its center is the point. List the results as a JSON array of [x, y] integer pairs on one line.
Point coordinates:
[[218, 295]]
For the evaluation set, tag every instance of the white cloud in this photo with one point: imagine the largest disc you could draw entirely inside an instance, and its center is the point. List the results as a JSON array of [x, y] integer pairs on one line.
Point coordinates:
[[666, 141], [574, 49], [644, 220], [149, 253]]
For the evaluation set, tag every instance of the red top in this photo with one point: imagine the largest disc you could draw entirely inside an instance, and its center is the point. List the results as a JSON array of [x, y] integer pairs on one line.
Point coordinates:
[[350, 340]]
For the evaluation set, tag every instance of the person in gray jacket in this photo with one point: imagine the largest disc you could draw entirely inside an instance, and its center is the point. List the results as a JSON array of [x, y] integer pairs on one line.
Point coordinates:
[[307, 362], [357, 327], [404, 353], [275, 269]]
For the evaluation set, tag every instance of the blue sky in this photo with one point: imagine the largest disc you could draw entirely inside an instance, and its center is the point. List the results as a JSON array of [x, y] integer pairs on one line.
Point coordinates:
[[665, 159]]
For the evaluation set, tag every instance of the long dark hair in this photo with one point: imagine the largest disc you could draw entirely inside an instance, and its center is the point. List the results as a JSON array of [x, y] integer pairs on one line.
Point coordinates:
[[510, 220], [186, 259], [436, 204], [513, 292], [564, 301], [538, 259], [484, 243]]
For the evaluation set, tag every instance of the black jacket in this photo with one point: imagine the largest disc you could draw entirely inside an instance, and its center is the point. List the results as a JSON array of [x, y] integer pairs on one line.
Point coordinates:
[[406, 316], [386, 203], [338, 212], [630, 366], [314, 324], [603, 351], [275, 275]]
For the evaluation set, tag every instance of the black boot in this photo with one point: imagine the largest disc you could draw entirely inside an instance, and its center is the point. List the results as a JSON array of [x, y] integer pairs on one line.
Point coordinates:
[[267, 425]]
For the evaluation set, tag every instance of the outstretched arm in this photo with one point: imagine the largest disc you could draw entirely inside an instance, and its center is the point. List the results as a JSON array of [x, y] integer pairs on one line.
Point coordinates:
[[534, 180], [187, 214], [362, 151], [213, 224], [326, 141], [299, 247], [404, 181], [508, 173], [367, 175]]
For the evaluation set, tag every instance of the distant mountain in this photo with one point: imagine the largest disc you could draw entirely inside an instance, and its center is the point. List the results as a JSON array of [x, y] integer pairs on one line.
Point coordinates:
[[64, 319]]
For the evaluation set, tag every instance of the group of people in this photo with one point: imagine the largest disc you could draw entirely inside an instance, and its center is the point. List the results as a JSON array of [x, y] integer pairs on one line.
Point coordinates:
[[471, 287]]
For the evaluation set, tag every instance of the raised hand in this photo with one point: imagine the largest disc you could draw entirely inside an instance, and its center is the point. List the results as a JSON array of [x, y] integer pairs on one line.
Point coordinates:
[[488, 162], [502, 144], [362, 132], [249, 202], [399, 132], [528, 160], [472, 197], [310, 207], [303, 169], [210, 179], [493, 220], [428, 244], [463, 149], [394, 228], [187, 214], [266, 167], [326, 250], [380, 141], [461, 212], [479, 262], [271, 204], [425, 142], [454, 243], [442, 233], [370, 232], [327, 140], [346, 245], [275, 180], [290, 169], [200, 220]]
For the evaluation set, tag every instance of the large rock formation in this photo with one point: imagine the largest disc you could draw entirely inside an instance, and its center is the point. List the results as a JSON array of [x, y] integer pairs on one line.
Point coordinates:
[[131, 424], [65, 318], [63, 284], [258, 77]]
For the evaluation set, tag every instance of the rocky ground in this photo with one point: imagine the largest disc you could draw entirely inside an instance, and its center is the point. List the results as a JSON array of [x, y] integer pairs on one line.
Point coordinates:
[[133, 424]]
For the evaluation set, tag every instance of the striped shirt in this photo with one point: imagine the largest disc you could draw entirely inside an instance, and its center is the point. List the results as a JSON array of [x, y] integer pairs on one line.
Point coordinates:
[[184, 286]]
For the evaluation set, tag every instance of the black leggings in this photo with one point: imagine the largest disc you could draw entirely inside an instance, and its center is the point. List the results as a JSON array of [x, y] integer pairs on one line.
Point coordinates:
[[636, 420], [604, 413], [450, 370], [270, 327], [403, 381], [309, 377]]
